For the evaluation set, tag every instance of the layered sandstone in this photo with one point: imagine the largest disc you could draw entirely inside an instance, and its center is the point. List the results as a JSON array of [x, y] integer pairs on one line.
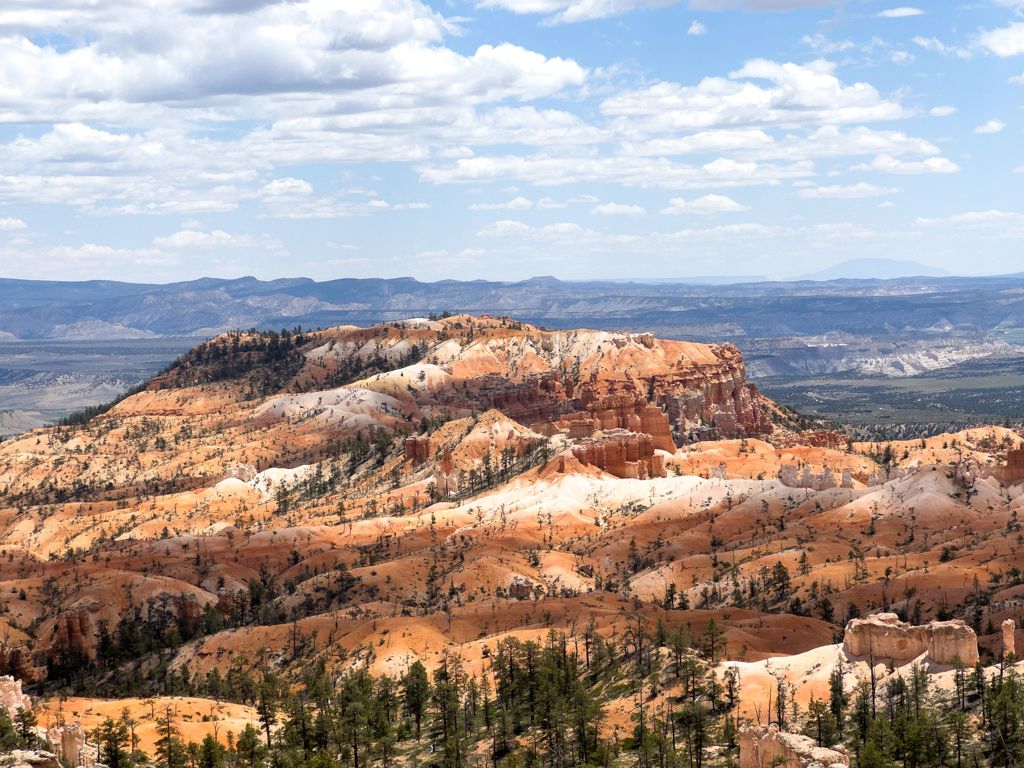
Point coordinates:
[[766, 746], [884, 636], [1008, 627], [621, 453]]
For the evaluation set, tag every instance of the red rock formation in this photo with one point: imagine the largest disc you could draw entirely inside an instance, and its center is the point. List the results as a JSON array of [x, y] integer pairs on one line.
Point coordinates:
[[1013, 471], [621, 453], [539, 377], [417, 449]]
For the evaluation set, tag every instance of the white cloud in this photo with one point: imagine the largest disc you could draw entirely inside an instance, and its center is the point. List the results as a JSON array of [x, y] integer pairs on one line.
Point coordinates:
[[342, 246], [543, 169], [617, 209], [992, 126], [510, 190], [696, 28], [822, 44], [758, 144], [189, 239], [1017, 79], [546, 203], [941, 111], [66, 261], [808, 94], [934, 44], [1005, 41], [886, 204], [705, 205], [901, 57], [899, 13], [890, 164], [568, 11], [1002, 223], [852, 192], [516, 204], [9, 223]]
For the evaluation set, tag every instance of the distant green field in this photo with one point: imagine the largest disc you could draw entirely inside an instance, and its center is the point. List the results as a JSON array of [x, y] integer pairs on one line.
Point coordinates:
[[980, 392]]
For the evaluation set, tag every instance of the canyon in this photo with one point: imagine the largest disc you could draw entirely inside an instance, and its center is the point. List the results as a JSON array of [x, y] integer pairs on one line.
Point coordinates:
[[373, 497]]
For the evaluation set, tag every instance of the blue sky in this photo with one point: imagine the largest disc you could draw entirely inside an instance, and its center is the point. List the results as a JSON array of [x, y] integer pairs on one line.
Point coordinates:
[[159, 140]]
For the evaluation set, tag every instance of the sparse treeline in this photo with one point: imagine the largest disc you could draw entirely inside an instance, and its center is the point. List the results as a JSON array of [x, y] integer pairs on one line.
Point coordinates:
[[545, 705], [532, 704]]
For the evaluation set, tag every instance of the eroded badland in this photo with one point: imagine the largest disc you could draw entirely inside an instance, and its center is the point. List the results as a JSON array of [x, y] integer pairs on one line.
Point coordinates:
[[362, 499]]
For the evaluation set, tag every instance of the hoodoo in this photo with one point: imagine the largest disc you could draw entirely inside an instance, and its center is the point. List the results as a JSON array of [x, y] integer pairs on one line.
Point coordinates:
[[884, 637]]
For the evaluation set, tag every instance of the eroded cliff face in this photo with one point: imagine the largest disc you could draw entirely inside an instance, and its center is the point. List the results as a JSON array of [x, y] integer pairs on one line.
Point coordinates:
[[622, 454], [536, 377], [766, 746], [885, 637]]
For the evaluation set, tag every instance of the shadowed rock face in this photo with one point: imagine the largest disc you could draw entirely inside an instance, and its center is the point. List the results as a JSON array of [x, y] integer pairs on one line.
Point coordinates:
[[884, 636], [767, 746]]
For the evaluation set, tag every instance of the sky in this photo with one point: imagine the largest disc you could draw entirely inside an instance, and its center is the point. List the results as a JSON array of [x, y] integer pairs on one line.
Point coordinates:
[[160, 140]]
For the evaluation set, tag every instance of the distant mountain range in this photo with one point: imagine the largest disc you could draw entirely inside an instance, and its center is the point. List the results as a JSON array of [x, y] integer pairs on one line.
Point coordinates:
[[112, 310], [875, 269]]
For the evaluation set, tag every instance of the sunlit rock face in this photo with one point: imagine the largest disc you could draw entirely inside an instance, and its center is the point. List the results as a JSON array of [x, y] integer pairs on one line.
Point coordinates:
[[766, 746], [884, 636]]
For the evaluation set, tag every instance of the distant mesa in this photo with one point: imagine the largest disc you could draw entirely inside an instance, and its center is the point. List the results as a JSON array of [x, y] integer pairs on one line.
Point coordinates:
[[701, 280], [875, 269]]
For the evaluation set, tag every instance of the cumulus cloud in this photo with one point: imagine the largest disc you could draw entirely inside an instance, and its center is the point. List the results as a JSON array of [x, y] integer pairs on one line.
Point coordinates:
[[941, 111], [696, 28], [808, 94], [9, 223], [890, 164], [899, 13], [992, 126], [569, 11], [705, 205], [1005, 41], [617, 209], [852, 192]]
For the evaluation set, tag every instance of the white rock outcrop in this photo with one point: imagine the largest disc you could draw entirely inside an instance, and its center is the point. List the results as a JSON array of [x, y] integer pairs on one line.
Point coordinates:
[[885, 637], [766, 746], [11, 695], [69, 741]]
